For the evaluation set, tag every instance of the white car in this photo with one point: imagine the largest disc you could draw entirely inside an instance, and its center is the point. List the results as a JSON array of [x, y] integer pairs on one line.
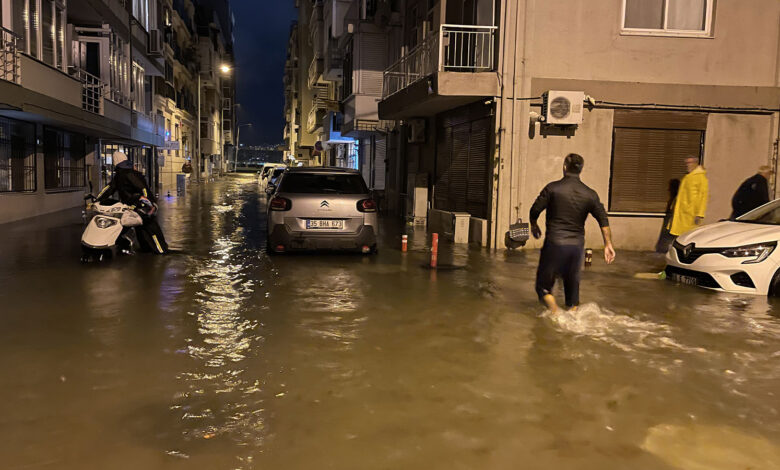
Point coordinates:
[[737, 256]]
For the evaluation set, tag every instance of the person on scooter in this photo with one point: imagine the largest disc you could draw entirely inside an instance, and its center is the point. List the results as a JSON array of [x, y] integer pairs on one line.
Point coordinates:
[[133, 191]]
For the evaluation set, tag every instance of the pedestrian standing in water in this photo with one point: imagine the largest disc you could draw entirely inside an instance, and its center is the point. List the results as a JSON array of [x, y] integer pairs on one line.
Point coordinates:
[[691, 205], [752, 193], [665, 239], [568, 203]]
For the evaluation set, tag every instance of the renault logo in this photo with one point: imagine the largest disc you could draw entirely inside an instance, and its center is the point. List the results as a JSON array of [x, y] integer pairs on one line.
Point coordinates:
[[324, 204], [687, 249]]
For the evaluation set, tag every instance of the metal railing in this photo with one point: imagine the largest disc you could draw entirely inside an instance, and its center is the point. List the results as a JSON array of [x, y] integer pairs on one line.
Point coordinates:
[[455, 48], [17, 176], [315, 71], [93, 91], [9, 56]]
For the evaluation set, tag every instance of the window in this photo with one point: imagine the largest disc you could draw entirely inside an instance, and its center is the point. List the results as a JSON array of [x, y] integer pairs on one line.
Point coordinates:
[[17, 156], [40, 25], [668, 17], [648, 151], [64, 160], [141, 12], [139, 89], [310, 183]]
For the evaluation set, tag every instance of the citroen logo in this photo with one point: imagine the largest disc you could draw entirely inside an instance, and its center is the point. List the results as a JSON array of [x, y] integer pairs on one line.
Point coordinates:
[[687, 249], [324, 204]]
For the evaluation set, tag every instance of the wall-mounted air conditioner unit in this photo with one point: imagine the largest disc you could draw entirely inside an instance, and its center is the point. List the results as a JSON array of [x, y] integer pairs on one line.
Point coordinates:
[[155, 42], [563, 108], [417, 131]]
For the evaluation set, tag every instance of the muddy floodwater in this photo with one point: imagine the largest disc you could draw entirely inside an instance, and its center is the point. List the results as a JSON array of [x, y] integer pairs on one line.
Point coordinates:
[[219, 357]]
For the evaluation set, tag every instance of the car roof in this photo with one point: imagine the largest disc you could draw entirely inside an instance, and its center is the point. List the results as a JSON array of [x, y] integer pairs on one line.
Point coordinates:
[[323, 170]]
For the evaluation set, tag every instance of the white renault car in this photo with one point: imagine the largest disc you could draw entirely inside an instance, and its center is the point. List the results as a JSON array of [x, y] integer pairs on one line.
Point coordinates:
[[737, 256]]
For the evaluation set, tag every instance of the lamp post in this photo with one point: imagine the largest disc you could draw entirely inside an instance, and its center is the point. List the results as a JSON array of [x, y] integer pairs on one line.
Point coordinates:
[[238, 143], [225, 70]]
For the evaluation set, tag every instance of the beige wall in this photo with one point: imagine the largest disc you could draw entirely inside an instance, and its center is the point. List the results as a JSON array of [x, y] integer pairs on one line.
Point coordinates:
[[735, 146], [581, 39]]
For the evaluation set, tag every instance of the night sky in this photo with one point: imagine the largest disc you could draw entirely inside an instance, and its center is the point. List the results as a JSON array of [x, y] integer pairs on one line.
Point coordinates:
[[262, 30]]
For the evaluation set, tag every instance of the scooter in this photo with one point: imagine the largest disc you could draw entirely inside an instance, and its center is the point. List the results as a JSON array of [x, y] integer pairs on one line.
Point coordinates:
[[108, 232]]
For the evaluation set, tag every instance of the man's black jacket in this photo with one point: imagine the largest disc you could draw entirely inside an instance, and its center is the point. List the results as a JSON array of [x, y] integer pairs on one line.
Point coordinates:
[[568, 202], [752, 193], [130, 185]]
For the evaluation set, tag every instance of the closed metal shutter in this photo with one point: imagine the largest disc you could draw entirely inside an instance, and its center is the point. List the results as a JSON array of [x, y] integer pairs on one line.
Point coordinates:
[[648, 151], [380, 167], [462, 161], [365, 160], [373, 55]]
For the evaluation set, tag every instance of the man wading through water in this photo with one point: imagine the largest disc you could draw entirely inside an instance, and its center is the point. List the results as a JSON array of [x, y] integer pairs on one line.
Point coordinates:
[[568, 202]]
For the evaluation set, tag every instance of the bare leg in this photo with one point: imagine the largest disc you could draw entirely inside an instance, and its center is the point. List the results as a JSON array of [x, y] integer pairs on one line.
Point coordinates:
[[549, 300]]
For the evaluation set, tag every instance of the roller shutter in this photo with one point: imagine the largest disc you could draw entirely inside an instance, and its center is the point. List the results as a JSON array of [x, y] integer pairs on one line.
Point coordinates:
[[649, 150]]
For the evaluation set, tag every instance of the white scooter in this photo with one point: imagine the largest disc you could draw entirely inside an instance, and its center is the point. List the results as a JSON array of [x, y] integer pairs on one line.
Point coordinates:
[[108, 231]]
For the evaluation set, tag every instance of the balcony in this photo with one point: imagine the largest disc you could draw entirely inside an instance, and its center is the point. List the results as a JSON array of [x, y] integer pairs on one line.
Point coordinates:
[[9, 56], [316, 118], [315, 71], [334, 62], [93, 91], [448, 69]]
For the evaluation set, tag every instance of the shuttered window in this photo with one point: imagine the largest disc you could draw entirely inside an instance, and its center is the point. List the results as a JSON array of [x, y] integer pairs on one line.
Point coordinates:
[[648, 150], [462, 161]]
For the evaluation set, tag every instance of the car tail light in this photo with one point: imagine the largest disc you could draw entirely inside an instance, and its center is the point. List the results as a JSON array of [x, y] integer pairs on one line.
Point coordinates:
[[280, 204], [366, 205]]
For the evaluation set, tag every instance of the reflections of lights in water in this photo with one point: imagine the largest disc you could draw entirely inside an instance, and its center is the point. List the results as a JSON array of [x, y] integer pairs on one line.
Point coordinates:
[[220, 401]]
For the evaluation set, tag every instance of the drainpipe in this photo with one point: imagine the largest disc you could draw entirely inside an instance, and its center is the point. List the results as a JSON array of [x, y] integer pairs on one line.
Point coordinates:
[[500, 138]]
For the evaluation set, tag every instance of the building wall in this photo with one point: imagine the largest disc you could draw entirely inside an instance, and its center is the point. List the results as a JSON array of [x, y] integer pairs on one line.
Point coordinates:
[[735, 146], [581, 39]]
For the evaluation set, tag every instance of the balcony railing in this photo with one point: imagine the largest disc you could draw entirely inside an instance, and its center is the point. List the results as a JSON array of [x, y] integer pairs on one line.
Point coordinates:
[[315, 71], [316, 115], [93, 91], [455, 48], [9, 56]]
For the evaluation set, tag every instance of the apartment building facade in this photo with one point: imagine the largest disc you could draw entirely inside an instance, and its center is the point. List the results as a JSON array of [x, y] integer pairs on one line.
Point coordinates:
[[81, 79], [666, 79], [76, 84]]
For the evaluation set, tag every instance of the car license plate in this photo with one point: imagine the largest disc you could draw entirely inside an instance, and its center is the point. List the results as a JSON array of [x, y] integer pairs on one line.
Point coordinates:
[[687, 280], [325, 224]]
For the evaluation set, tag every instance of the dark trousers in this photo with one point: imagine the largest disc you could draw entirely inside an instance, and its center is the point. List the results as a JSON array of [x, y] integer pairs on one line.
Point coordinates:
[[150, 237], [563, 261]]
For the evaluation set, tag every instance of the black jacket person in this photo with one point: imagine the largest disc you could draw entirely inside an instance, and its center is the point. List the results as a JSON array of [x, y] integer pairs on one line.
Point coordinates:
[[568, 203], [133, 191], [752, 193]]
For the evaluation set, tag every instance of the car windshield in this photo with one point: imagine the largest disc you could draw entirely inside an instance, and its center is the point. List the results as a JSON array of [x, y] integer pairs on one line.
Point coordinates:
[[312, 183], [768, 214]]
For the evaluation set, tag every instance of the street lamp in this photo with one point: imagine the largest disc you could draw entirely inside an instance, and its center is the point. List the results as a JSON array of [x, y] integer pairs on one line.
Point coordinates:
[[225, 70], [238, 143]]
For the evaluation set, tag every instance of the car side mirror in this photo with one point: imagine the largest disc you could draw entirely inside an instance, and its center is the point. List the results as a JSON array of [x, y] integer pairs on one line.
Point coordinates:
[[270, 189]]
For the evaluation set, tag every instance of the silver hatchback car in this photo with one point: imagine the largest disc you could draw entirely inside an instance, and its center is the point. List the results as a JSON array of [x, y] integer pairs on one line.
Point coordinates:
[[321, 208]]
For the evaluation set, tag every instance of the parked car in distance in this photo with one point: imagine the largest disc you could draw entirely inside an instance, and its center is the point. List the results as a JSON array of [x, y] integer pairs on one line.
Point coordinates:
[[322, 209], [268, 169], [737, 256], [273, 180]]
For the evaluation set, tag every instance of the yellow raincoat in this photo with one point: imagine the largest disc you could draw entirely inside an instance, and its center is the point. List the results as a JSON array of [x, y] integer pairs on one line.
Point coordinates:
[[691, 201]]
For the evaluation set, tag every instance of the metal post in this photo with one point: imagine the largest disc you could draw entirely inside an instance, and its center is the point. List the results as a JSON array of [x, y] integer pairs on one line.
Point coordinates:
[[435, 250], [197, 126], [238, 143]]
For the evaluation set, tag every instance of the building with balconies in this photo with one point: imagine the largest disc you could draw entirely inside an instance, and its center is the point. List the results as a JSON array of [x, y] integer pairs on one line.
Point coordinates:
[[491, 101], [75, 85]]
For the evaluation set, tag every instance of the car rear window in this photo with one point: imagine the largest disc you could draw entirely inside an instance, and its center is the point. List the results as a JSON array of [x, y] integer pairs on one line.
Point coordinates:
[[309, 183]]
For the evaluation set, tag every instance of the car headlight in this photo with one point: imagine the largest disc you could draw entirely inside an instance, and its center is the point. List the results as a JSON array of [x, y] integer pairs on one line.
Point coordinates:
[[105, 222], [759, 252]]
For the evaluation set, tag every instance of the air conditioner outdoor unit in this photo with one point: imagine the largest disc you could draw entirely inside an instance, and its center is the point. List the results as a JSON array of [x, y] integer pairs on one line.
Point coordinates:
[[563, 108], [155, 42], [417, 131]]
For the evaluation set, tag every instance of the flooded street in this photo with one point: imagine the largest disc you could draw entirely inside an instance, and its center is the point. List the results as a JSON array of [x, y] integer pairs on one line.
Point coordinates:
[[221, 357]]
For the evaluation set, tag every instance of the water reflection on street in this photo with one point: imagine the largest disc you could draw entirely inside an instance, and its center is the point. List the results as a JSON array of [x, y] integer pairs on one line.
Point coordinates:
[[219, 357]]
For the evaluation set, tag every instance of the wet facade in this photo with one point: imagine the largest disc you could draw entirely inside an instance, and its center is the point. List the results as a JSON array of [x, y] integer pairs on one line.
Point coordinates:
[[219, 356]]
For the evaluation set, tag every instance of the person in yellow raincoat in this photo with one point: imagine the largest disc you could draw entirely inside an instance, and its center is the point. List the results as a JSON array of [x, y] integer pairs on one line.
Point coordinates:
[[691, 203]]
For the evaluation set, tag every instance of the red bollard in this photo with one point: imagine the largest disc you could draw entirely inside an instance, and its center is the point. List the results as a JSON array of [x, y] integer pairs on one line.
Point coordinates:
[[404, 242], [435, 250]]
